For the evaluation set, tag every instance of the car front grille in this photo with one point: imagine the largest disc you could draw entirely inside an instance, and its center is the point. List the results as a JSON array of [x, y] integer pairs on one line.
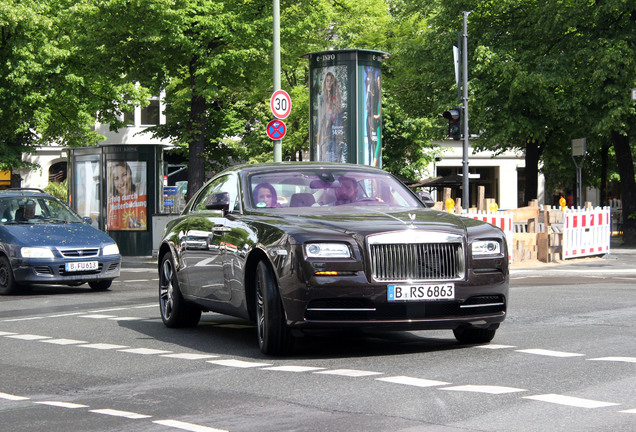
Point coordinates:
[[417, 261], [79, 253]]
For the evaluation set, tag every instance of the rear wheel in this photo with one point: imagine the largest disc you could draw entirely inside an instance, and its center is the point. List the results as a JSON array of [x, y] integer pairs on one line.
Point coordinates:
[[102, 285], [175, 310], [474, 335], [7, 282], [274, 337]]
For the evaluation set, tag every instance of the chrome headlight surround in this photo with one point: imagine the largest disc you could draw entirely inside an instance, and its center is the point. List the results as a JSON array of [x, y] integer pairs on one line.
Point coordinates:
[[327, 250], [486, 248]]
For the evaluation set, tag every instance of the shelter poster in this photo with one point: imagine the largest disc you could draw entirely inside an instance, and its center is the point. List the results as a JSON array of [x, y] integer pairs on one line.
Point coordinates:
[[127, 203], [331, 105]]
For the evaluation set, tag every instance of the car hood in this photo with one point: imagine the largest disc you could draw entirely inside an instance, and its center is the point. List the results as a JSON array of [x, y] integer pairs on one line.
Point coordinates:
[[375, 221], [78, 235]]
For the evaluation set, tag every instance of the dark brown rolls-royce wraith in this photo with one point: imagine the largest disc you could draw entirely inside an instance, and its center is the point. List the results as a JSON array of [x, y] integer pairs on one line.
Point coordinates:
[[303, 246]]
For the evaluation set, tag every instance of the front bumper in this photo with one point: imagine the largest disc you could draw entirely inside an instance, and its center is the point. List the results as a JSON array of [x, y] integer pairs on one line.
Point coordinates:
[[52, 271]]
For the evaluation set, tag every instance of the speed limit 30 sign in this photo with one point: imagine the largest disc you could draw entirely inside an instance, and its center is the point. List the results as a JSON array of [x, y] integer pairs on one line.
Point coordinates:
[[281, 104]]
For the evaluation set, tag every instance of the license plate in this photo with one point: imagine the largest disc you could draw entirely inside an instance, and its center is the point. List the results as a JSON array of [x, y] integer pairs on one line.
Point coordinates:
[[421, 292], [81, 266]]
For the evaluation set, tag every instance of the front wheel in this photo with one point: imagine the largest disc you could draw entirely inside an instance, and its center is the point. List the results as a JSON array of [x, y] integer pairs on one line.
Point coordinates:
[[474, 335], [7, 282], [274, 337], [175, 310], [102, 285]]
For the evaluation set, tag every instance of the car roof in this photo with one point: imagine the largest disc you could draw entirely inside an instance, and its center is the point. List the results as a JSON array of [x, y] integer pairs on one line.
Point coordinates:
[[273, 166], [23, 192]]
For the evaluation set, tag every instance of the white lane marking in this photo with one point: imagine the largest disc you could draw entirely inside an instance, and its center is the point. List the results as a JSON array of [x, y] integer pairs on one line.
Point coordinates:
[[187, 426], [189, 356], [64, 341], [137, 270], [550, 353], [349, 372], [570, 401], [484, 389], [294, 368], [118, 413], [28, 337], [495, 346], [108, 310], [3, 333], [145, 306], [98, 316], [418, 382], [238, 363], [144, 351], [23, 319], [66, 314], [137, 280], [629, 411], [103, 346], [62, 404], [615, 359], [8, 396], [126, 318]]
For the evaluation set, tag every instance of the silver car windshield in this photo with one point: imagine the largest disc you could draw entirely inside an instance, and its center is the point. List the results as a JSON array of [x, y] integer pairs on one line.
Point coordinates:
[[318, 187], [35, 210]]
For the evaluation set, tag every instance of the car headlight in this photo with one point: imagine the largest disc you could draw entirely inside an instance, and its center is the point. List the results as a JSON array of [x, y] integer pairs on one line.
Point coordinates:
[[33, 252], [110, 249], [327, 250], [486, 247]]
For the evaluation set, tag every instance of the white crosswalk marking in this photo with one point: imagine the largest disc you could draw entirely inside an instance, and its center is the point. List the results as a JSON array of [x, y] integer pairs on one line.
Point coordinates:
[[549, 353], [238, 363], [418, 382], [570, 401], [118, 413], [62, 404], [616, 359], [187, 426], [349, 372], [484, 389]]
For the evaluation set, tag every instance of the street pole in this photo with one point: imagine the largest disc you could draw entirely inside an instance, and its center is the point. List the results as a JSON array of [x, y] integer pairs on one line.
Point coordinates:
[[278, 153], [465, 191]]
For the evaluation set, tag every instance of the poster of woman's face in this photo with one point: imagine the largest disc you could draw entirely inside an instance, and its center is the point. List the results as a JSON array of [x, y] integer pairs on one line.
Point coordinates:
[[373, 114], [330, 122], [127, 205]]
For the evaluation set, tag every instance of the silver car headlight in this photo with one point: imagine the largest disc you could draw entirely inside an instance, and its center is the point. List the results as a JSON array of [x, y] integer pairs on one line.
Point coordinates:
[[110, 249], [327, 250], [35, 252], [486, 247]]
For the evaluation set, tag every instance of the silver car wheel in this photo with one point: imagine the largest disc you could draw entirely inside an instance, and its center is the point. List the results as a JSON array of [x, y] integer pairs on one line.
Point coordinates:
[[166, 289]]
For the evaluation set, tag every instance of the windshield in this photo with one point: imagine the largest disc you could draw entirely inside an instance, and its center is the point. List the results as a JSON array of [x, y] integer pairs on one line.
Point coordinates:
[[318, 187], [35, 210]]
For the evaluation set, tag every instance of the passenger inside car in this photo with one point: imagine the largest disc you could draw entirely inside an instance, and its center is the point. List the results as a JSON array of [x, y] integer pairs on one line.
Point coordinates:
[[26, 212]]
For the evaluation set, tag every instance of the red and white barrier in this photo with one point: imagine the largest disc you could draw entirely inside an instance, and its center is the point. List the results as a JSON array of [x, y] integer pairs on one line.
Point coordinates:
[[499, 219], [586, 232]]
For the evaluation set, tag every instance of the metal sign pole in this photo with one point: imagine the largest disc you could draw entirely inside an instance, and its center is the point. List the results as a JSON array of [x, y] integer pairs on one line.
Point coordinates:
[[465, 191], [278, 153]]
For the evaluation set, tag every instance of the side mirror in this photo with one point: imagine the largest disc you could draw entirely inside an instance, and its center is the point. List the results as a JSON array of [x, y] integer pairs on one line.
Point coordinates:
[[218, 201]]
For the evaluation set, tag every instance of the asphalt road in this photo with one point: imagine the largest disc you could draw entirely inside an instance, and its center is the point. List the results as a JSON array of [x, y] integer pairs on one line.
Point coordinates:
[[565, 359]]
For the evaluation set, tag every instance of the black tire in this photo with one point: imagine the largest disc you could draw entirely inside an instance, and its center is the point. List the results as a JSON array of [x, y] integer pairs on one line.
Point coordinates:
[[175, 310], [474, 335], [102, 285], [274, 337], [7, 282]]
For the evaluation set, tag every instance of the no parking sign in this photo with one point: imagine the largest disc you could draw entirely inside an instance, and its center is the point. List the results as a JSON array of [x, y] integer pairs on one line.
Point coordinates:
[[276, 129]]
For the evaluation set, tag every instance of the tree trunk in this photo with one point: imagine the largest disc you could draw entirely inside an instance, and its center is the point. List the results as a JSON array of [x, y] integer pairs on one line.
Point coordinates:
[[532, 170], [604, 162], [196, 132], [628, 186]]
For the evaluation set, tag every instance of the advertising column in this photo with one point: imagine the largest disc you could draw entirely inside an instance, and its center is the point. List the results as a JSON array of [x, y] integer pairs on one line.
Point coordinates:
[[345, 106]]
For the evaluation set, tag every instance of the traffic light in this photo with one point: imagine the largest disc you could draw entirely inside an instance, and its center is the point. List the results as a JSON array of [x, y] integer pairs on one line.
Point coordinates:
[[454, 117]]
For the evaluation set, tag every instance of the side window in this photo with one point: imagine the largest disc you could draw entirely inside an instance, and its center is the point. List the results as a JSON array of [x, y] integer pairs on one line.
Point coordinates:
[[227, 184]]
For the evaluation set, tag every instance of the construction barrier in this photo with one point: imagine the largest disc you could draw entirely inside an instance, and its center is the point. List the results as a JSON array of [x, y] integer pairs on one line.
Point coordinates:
[[586, 232], [499, 219]]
